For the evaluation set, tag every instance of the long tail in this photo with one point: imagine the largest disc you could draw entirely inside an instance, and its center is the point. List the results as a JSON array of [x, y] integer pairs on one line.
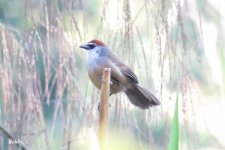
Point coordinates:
[[141, 97]]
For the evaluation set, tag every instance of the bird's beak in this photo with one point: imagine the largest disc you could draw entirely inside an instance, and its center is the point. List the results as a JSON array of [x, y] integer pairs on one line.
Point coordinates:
[[84, 46]]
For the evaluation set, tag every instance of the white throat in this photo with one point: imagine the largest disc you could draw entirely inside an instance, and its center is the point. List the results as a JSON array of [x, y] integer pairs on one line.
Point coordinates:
[[93, 54], [93, 57]]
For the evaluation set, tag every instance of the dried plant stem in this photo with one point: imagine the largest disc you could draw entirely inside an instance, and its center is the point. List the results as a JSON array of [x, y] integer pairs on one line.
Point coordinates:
[[103, 112]]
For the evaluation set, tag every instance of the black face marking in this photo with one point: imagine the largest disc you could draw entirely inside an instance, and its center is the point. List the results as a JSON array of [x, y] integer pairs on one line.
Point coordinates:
[[91, 45], [88, 46]]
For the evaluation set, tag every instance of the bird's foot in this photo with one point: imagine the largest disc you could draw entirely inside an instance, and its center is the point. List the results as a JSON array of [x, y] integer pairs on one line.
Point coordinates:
[[99, 106], [110, 83]]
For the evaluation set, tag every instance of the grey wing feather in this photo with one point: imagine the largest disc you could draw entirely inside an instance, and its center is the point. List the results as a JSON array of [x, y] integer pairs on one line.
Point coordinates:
[[128, 72], [124, 69]]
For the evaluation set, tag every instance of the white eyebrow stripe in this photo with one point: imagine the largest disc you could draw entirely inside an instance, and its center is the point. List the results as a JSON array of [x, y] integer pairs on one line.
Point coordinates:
[[92, 44]]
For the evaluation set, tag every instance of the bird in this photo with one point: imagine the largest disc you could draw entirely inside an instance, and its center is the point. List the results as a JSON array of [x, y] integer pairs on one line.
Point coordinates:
[[123, 79]]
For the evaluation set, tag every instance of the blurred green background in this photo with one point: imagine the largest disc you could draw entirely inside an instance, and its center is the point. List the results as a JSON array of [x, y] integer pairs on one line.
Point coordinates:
[[175, 47]]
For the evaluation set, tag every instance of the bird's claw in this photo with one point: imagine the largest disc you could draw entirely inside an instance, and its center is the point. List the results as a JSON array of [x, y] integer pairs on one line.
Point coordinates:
[[110, 83], [99, 106]]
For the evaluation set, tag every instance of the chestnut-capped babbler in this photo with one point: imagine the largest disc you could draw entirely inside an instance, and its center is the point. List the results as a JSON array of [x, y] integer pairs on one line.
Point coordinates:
[[122, 77]]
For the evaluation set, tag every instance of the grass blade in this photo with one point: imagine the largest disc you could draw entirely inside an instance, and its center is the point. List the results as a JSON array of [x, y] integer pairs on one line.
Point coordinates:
[[174, 133]]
